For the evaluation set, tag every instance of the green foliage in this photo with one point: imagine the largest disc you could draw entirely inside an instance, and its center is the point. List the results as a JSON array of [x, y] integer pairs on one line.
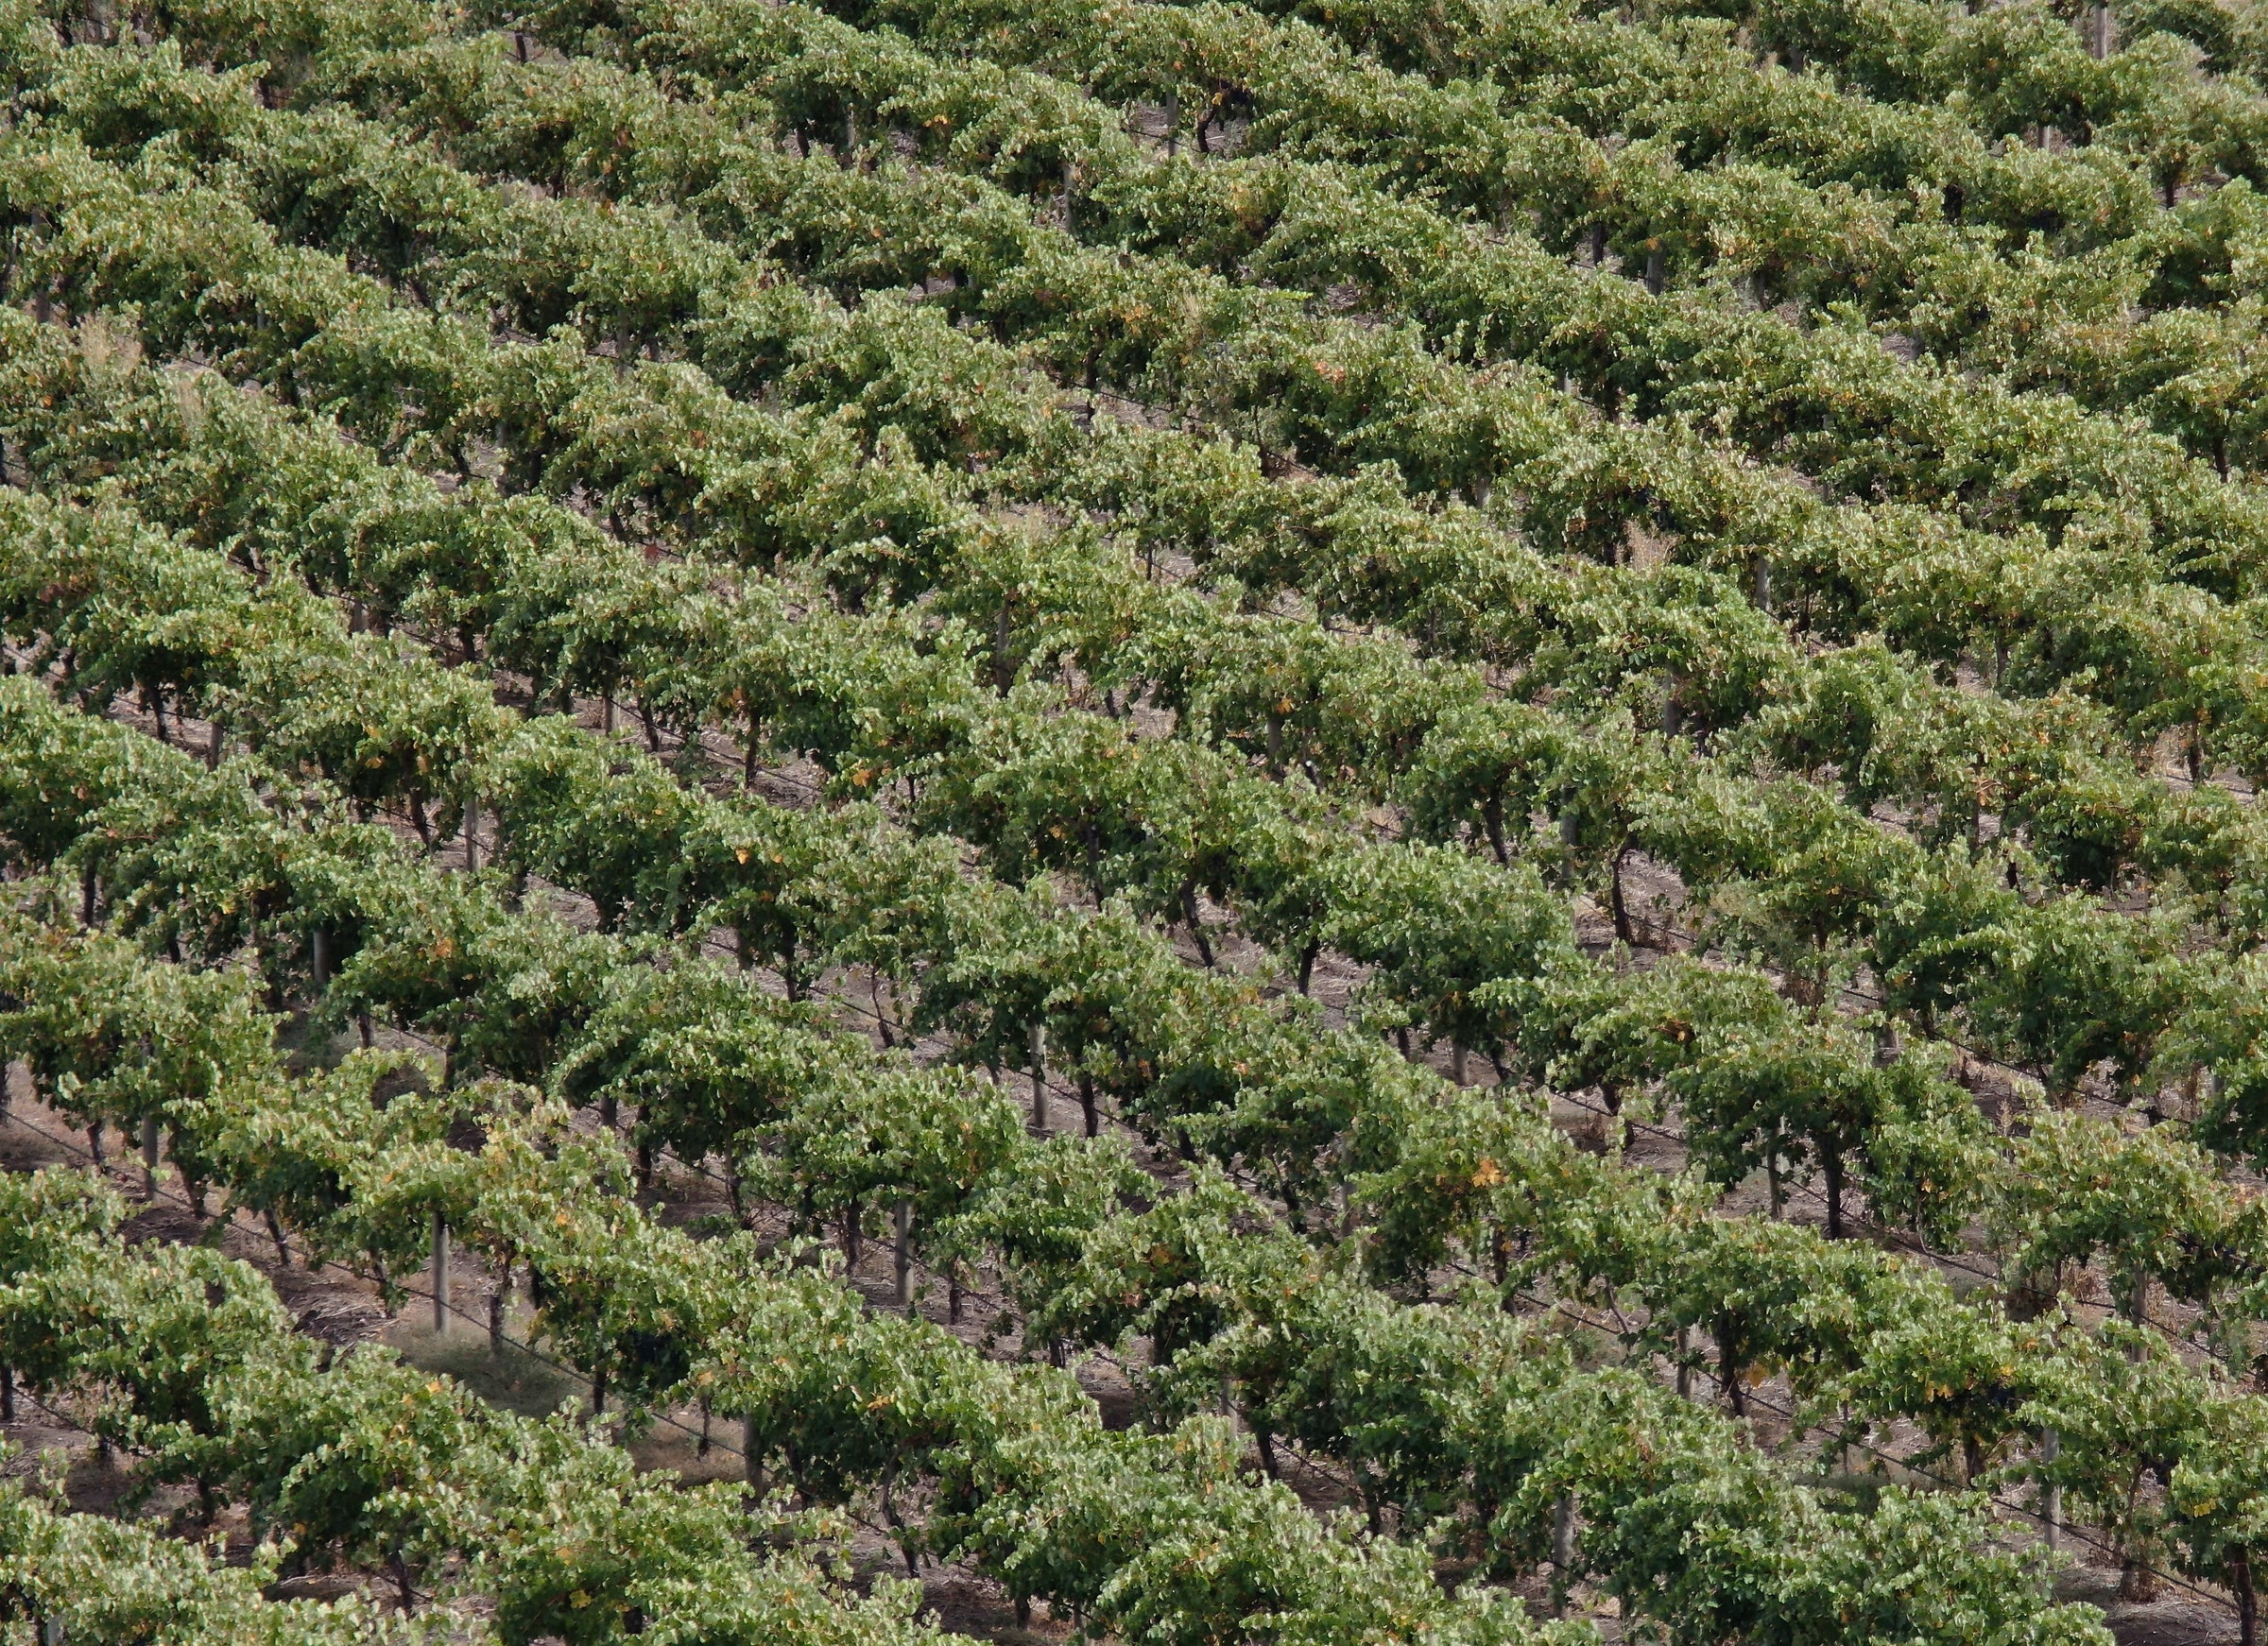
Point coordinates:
[[1912, 632]]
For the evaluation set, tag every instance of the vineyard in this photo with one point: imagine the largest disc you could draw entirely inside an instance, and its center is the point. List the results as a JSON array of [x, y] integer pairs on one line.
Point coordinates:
[[1299, 822]]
